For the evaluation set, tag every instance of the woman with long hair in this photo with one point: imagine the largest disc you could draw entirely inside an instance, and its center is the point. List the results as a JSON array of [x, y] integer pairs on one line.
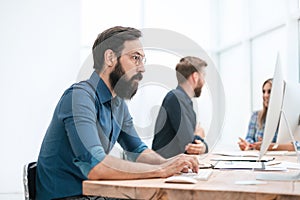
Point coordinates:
[[257, 125]]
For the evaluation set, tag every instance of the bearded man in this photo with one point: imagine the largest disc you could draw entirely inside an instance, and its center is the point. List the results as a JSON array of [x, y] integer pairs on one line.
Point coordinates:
[[176, 129], [92, 116]]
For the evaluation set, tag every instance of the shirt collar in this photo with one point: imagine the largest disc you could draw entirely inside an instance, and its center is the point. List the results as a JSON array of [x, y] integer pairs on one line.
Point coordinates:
[[100, 87], [185, 95]]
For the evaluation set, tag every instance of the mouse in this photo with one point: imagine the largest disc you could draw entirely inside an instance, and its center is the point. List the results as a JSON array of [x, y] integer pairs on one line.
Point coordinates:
[[180, 179]]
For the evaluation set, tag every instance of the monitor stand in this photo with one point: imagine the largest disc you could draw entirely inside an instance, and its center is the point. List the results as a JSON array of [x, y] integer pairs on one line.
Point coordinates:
[[283, 176]]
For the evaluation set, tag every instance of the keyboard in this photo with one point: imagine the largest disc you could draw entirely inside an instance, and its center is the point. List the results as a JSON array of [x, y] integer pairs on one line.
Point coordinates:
[[202, 175]]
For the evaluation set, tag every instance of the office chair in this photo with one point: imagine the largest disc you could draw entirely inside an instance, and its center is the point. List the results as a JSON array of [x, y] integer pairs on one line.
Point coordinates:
[[29, 175]]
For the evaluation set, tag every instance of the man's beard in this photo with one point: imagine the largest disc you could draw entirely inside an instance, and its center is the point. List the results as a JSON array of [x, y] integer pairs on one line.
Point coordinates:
[[198, 90], [123, 87]]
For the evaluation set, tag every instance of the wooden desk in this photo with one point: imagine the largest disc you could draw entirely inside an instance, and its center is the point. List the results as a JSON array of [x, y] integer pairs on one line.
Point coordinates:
[[221, 185]]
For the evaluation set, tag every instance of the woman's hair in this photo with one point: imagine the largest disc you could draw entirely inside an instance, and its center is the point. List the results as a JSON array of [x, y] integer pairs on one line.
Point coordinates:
[[263, 113]]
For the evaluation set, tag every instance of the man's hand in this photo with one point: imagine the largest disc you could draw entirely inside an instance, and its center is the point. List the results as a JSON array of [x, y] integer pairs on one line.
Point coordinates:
[[115, 168], [195, 149], [179, 163]]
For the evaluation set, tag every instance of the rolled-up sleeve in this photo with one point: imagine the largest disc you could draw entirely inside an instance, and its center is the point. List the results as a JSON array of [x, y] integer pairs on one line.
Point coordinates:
[[129, 139], [78, 113]]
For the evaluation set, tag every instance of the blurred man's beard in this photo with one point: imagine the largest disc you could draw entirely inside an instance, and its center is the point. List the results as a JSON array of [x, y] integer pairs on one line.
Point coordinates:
[[198, 90], [123, 87]]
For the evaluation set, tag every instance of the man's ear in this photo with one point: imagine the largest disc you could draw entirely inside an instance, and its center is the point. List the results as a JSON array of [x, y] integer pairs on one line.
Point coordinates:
[[195, 77], [109, 57]]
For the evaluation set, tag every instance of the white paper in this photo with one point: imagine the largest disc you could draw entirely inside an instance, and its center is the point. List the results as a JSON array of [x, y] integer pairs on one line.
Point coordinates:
[[238, 165]]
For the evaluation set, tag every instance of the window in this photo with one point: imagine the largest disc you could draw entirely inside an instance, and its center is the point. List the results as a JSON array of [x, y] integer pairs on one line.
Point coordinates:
[[251, 33], [230, 21], [266, 13], [264, 53], [235, 74]]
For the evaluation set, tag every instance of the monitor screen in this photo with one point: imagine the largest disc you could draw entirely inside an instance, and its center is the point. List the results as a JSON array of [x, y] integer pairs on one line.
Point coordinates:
[[274, 108], [289, 128]]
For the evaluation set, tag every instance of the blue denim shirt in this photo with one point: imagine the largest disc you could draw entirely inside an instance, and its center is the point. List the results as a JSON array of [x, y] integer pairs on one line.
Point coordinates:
[[254, 132], [86, 124]]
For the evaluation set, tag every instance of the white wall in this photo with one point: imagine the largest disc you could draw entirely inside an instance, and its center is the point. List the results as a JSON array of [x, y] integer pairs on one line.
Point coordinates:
[[40, 45]]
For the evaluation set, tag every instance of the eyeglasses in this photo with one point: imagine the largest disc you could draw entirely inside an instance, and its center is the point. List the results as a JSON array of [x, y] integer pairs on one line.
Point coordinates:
[[138, 59]]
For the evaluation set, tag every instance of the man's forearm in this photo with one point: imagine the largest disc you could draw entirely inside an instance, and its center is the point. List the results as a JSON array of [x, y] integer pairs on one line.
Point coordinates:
[[115, 168], [281, 147], [151, 157]]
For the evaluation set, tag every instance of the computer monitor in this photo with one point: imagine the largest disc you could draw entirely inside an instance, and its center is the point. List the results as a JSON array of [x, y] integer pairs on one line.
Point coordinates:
[[283, 112], [274, 108], [289, 129]]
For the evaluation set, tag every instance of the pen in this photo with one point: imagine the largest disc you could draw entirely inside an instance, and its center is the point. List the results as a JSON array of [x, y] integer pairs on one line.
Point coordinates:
[[275, 163], [206, 166], [241, 139]]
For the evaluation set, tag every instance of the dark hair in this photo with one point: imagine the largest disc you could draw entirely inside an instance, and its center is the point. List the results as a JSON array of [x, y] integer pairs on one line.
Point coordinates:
[[187, 66], [270, 80], [112, 38]]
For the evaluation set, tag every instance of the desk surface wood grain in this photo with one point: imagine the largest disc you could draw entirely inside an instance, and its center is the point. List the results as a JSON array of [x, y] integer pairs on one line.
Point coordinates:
[[221, 185]]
